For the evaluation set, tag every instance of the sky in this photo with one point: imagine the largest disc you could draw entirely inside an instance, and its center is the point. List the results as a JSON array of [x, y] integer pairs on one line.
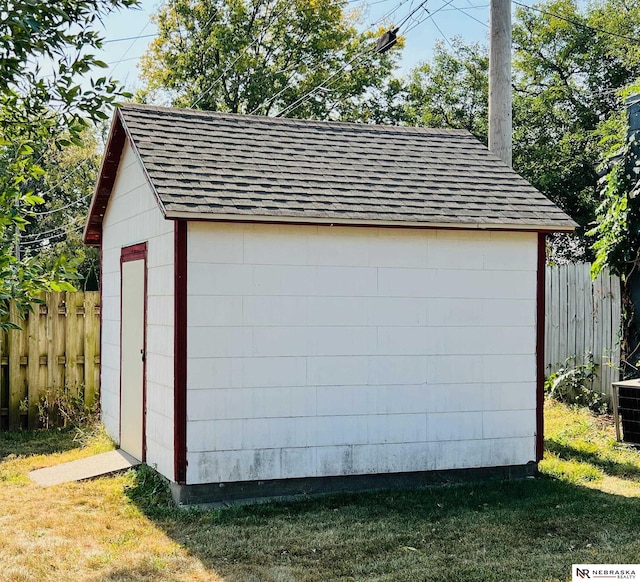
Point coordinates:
[[442, 20]]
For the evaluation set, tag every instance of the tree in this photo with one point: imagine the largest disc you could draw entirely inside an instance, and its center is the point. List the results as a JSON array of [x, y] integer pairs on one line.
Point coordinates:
[[56, 226], [567, 71], [452, 90], [299, 58], [45, 56], [617, 229]]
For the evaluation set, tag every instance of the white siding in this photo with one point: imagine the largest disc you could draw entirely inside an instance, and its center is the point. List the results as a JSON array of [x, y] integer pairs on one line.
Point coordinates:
[[133, 217], [320, 351]]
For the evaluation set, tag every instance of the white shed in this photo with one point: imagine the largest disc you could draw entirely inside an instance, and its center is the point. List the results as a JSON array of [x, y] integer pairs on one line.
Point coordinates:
[[299, 306]]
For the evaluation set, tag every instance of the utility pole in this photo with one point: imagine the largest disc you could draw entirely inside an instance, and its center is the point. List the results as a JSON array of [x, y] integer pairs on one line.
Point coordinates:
[[500, 116]]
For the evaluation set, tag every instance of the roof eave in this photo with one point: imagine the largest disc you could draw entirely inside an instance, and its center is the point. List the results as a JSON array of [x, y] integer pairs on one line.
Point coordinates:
[[118, 135], [92, 234], [333, 221]]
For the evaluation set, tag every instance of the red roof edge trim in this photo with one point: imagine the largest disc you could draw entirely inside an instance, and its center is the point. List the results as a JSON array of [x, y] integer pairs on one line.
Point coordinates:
[[108, 171]]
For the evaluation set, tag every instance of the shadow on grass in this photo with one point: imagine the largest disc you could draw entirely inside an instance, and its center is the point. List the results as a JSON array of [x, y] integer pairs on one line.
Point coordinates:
[[609, 466], [531, 529], [26, 443]]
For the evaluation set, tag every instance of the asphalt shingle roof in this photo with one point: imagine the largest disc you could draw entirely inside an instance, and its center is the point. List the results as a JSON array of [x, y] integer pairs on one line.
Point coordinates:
[[245, 166]]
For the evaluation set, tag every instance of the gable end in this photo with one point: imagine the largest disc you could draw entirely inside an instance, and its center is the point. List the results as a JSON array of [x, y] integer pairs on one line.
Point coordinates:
[[92, 235]]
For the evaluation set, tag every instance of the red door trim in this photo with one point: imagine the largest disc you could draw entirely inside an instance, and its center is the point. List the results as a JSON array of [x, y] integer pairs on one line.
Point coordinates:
[[133, 253], [136, 252], [540, 326], [180, 352]]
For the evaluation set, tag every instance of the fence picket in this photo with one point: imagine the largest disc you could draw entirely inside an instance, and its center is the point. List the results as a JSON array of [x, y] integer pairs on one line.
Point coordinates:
[[579, 312], [91, 348], [547, 315], [33, 365], [16, 386]]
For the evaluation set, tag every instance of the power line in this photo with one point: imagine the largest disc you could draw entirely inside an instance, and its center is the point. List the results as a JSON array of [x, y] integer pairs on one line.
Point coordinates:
[[272, 99], [60, 182], [70, 205], [115, 66], [464, 11], [442, 33], [242, 53], [389, 13], [428, 16], [63, 227], [125, 60], [131, 37], [304, 97], [48, 238], [577, 23], [418, 7]]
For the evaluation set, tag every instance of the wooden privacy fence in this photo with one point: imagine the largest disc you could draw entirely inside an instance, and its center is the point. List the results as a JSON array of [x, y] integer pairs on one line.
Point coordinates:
[[581, 316], [58, 348]]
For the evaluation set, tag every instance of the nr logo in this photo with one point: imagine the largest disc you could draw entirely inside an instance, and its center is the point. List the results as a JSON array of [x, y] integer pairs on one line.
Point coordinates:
[[583, 573]]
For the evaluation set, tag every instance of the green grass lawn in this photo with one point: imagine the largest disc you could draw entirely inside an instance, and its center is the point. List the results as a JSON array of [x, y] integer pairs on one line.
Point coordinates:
[[584, 508]]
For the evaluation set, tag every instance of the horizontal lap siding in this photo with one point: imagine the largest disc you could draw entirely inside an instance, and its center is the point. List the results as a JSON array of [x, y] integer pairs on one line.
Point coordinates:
[[319, 351], [132, 217]]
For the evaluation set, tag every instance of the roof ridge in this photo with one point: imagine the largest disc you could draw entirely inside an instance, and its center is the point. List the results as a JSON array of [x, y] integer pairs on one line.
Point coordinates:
[[273, 120]]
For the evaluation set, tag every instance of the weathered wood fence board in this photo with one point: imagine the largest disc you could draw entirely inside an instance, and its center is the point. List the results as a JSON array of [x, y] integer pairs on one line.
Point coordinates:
[[583, 316], [58, 348]]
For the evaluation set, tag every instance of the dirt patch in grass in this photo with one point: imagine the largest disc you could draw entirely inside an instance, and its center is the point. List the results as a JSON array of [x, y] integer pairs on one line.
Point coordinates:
[[584, 508]]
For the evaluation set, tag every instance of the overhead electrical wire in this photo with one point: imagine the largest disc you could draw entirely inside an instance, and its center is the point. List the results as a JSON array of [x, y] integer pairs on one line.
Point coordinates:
[[464, 11], [577, 23], [70, 205], [408, 16], [112, 40], [113, 66], [258, 36], [322, 85], [26, 238], [126, 52], [42, 235], [433, 20], [39, 241]]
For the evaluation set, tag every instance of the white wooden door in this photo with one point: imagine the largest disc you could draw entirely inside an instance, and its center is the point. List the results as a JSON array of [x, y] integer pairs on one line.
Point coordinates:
[[132, 358]]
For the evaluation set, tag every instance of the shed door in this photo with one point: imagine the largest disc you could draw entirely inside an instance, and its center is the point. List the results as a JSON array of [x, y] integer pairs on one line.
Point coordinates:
[[132, 368]]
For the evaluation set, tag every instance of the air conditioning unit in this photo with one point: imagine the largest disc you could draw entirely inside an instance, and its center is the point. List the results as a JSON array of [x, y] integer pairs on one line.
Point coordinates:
[[626, 410]]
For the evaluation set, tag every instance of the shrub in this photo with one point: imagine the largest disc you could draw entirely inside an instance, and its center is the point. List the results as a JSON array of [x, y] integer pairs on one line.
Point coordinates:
[[572, 384]]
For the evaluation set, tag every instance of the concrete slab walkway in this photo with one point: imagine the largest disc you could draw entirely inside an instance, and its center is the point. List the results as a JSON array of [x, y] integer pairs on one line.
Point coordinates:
[[88, 468]]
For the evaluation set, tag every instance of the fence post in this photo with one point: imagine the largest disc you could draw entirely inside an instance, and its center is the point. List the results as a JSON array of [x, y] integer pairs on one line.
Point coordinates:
[[16, 386]]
